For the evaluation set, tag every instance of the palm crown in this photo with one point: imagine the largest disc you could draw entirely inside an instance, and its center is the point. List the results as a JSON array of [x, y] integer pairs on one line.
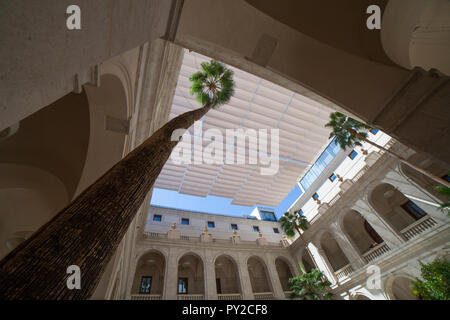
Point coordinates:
[[348, 131], [214, 83], [293, 221]]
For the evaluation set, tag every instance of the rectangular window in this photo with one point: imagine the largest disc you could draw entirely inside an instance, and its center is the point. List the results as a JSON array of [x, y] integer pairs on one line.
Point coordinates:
[[301, 212], [146, 284], [315, 196], [234, 226], [414, 211], [211, 224], [182, 285], [446, 177], [256, 228], [373, 131], [353, 154], [332, 177], [185, 221], [275, 230], [157, 217]]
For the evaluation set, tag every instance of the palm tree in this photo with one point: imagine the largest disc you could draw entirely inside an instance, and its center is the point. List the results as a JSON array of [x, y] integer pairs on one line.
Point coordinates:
[[291, 222], [310, 286], [88, 231], [350, 132]]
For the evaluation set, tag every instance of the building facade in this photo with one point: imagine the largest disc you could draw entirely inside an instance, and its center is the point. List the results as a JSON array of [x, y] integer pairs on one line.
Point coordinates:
[[371, 226]]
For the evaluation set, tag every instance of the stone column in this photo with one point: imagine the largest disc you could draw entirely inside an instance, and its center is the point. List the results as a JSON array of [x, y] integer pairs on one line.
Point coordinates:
[[210, 276], [352, 254], [274, 278], [390, 236], [171, 275], [322, 262], [244, 279]]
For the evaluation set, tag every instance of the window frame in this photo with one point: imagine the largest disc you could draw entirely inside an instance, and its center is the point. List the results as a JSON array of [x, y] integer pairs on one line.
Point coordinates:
[[278, 230], [332, 175], [350, 154], [234, 224], [187, 285], [314, 196], [256, 228], [185, 219], [157, 215], [212, 222], [150, 287]]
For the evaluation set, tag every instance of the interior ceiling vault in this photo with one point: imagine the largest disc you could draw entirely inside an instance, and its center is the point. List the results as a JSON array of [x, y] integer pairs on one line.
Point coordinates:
[[256, 104]]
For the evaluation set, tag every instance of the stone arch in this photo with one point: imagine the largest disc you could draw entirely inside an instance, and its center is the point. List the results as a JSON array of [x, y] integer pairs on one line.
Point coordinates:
[[226, 274], [360, 231], [394, 207], [285, 271], [109, 112], [398, 287], [30, 197], [259, 274], [422, 182], [150, 273], [333, 251], [191, 273]]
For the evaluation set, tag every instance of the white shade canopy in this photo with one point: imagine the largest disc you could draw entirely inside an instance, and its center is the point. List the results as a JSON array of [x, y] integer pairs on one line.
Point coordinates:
[[256, 104]]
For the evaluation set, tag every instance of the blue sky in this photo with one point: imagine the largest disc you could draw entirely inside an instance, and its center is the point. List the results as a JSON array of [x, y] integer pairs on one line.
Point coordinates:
[[212, 204]]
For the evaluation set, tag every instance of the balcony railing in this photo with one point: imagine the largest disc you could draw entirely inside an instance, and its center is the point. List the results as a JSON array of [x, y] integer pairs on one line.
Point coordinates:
[[344, 272], [229, 296], [418, 227], [191, 297], [264, 296], [145, 297], [375, 252], [155, 235]]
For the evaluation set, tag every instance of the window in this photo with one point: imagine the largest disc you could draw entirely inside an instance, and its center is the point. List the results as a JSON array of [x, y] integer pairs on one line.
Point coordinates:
[[332, 177], [267, 215], [446, 177], [234, 226], [315, 196], [413, 210], [211, 224], [275, 230], [157, 217], [373, 131], [353, 154], [182, 285], [300, 212], [256, 228], [185, 221], [146, 284]]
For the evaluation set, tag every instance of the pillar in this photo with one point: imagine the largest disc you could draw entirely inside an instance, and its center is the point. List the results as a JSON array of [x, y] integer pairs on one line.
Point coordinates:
[[244, 279], [171, 276], [210, 276], [347, 247], [274, 278]]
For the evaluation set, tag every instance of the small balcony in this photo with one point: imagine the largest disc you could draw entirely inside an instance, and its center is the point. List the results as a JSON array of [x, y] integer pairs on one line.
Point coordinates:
[[418, 227], [145, 297]]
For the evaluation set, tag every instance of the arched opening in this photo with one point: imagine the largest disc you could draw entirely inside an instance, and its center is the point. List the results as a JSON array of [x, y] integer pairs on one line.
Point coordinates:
[[401, 289], [360, 231], [258, 276], [361, 297], [284, 273], [227, 281], [422, 180], [307, 262], [190, 277], [394, 207], [149, 276], [333, 251]]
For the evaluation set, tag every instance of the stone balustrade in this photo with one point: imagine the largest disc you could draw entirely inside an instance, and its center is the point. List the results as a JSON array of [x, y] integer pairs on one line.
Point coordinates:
[[418, 227], [376, 252], [145, 297]]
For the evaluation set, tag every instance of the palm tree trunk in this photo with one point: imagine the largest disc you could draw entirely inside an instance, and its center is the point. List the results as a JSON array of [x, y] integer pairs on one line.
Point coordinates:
[[88, 231], [423, 171]]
